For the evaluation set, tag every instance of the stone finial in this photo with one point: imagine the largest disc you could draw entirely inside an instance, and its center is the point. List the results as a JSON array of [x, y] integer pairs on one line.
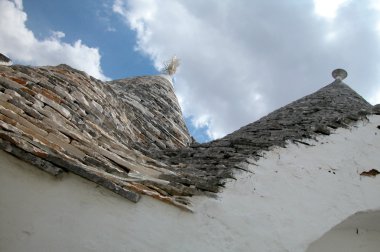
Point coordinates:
[[4, 60], [339, 74]]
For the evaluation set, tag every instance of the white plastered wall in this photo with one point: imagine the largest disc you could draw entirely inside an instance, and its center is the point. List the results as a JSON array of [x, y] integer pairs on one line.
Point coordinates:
[[293, 196], [359, 232]]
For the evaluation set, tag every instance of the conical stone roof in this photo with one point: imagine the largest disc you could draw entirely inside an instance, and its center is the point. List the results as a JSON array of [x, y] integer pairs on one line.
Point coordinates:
[[335, 105]]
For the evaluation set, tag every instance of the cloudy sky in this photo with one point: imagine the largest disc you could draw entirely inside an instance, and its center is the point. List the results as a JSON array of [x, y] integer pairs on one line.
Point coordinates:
[[240, 59]]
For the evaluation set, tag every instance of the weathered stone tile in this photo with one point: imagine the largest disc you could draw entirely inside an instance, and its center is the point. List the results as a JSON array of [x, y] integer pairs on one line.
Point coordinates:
[[31, 155], [12, 93], [54, 105], [65, 129], [50, 95], [5, 97], [10, 106], [63, 93], [67, 147], [9, 124], [27, 108], [10, 84]]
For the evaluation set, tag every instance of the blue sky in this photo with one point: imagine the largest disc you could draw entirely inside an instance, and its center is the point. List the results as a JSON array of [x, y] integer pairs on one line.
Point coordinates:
[[93, 23], [240, 59], [97, 26]]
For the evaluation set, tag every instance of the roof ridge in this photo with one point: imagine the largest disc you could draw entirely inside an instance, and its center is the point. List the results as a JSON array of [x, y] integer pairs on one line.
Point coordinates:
[[337, 94]]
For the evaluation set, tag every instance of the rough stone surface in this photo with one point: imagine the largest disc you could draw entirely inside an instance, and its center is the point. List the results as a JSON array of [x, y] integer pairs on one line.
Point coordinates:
[[129, 135], [60, 119], [155, 111], [376, 109], [206, 165]]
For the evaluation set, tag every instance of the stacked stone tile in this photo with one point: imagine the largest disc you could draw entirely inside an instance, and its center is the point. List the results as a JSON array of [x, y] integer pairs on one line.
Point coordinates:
[[129, 135], [154, 109], [61, 119]]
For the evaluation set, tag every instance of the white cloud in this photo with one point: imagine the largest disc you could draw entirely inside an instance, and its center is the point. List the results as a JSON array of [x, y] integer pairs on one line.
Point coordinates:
[[20, 44], [58, 35], [375, 99], [18, 4], [243, 59], [328, 8]]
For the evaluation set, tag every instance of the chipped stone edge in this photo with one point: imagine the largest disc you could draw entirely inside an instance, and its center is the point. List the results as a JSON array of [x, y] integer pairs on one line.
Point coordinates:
[[55, 170], [40, 163], [134, 194], [346, 122]]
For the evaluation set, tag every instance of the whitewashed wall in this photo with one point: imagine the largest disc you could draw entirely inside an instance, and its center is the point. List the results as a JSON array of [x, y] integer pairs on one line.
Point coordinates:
[[347, 240], [292, 197], [359, 232]]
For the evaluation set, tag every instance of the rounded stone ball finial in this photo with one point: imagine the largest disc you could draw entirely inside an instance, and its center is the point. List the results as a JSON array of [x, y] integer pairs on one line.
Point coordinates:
[[339, 74]]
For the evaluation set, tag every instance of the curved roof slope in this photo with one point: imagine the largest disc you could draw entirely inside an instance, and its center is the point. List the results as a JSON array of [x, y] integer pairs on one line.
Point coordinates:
[[154, 110], [60, 119], [129, 135]]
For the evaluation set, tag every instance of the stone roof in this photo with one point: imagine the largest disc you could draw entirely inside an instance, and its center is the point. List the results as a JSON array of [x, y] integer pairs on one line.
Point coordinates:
[[129, 135], [333, 106]]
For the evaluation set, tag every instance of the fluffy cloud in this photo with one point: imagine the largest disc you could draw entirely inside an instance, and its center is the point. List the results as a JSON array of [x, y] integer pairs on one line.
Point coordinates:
[[328, 8], [20, 44], [243, 59]]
